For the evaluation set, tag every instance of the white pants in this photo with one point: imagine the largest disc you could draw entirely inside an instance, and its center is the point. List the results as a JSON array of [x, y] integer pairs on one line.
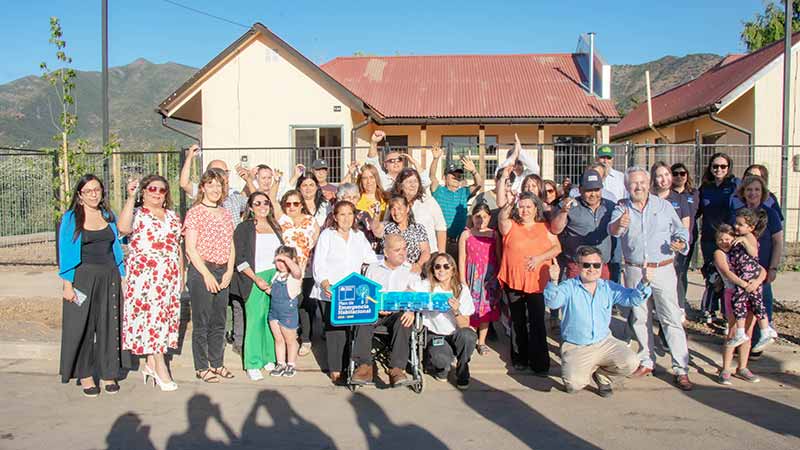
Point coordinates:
[[665, 302], [610, 358]]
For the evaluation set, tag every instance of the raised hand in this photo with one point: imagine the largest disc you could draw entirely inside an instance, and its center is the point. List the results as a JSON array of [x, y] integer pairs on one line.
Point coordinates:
[[193, 150], [469, 166], [378, 136], [436, 151], [555, 270], [625, 219], [133, 184], [299, 170], [567, 204]]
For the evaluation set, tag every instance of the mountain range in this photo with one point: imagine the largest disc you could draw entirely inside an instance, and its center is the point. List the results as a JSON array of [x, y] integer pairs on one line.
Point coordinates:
[[28, 105]]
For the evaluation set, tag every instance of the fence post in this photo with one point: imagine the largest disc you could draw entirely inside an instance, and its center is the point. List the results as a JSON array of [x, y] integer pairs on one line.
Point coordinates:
[[160, 158], [181, 194], [116, 180]]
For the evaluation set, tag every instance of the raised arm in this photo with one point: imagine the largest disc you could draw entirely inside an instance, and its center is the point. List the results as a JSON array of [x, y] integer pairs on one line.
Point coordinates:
[[186, 171], [273, 195], [630, 297], [555, 296], [502, 192], [620, 220], [559, 220], [125, 220], [477, 179], [504, 221], [437, 155]]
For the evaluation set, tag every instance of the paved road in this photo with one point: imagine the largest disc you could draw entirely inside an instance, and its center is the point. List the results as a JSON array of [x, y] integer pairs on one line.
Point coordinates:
[[498, 412]]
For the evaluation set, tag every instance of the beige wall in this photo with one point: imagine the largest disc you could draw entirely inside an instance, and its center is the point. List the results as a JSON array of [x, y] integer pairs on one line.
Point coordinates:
[[256, 99]]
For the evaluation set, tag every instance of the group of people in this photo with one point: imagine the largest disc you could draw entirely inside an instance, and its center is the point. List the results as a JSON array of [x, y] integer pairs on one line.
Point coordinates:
[[273, 252]]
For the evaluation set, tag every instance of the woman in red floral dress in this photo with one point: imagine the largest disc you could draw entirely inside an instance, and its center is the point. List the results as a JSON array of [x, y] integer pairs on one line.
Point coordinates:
[[153, 284]]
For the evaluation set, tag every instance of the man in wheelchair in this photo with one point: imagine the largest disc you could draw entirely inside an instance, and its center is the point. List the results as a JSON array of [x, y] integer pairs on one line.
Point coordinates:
[[394, 274]]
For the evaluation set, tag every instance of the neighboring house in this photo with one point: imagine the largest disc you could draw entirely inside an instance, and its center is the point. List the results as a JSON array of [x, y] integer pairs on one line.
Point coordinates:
[[737, 102], [260, 92]]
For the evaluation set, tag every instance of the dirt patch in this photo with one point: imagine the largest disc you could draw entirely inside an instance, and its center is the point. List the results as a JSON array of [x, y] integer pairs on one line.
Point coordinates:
[[39, 310], [786, 318], [42, 253]]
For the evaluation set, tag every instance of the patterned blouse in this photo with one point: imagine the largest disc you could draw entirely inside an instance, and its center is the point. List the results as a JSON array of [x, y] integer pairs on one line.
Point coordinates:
[[414, 235], [214, 233], [300, 236]]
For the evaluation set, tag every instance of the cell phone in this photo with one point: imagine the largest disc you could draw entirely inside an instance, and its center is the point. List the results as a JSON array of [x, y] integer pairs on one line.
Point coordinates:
[[243, 161], [199, 153], [80, 297]]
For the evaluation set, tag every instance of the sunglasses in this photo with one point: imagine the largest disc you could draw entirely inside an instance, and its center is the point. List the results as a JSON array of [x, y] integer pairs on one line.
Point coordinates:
[[394, 160], [549, 191], [258, 203], [679, 173], [444, 266], [292, 204], [154, 189], [592, 265], [719, 166]]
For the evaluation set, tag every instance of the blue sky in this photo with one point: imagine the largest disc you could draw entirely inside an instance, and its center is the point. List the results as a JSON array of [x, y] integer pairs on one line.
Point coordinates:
[[628, 32]]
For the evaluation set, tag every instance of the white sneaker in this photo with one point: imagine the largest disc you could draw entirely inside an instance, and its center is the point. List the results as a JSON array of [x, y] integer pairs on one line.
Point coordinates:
[[737, 341], [773, 332], [763, 342], [269, 366], [255, 374]]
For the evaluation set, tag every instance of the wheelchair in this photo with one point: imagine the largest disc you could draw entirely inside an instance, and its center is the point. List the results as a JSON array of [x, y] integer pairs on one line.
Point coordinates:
[[381, 353]]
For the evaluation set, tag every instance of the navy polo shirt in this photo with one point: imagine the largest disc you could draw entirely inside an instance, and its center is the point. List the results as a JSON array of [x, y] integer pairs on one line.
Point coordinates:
[[715, 206], [587, 227]]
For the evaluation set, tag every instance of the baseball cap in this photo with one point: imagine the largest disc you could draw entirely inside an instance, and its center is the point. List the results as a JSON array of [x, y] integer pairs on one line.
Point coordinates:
[[605, 150], [452, 168], [591, 179], [319, 164]]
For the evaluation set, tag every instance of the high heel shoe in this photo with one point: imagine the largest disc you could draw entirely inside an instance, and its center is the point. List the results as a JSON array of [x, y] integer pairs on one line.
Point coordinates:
[[165, 386], [147, 372]]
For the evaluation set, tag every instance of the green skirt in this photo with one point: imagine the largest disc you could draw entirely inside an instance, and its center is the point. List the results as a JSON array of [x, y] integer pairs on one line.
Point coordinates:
[[259, 345]]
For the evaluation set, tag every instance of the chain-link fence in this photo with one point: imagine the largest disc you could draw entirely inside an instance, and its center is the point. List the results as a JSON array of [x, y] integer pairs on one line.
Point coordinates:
[[27, 191]]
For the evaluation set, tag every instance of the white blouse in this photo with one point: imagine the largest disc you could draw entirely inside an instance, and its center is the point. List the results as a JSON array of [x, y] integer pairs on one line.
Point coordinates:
[[444, 323], [335, 258]]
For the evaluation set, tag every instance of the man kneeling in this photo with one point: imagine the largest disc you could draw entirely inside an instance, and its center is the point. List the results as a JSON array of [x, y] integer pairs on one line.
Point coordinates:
[[588, 350], [394, 274], [449, 333]]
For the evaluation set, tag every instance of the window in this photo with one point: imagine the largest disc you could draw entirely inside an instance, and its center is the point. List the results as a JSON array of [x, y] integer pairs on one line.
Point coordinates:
[[572, 155], [457, 146], [307, 143], [394, 143]]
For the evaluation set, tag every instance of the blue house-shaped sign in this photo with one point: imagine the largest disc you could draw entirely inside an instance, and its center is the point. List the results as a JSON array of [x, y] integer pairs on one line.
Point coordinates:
[[355, 301]]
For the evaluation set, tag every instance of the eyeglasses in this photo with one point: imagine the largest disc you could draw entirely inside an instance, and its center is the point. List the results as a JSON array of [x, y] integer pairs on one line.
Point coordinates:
[[258, 203], [154, 189], [679, 173], [393, 160], [444, 266], [457, 176], [95, 191], [549, 191], [719, 166], [592, 265], [292, 204]]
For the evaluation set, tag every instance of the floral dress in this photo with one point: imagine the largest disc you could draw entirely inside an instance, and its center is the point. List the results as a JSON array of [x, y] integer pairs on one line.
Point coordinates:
[[747, 268], [300, 236], [481, 277], [152, 294]]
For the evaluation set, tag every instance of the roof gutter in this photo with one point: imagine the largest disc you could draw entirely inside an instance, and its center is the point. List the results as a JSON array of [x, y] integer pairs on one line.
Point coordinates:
[[499, 120], [353, 132], [713, 116], [170, 127]]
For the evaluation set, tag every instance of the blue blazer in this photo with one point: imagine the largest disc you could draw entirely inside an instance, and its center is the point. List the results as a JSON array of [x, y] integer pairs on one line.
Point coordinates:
[[69, 249]]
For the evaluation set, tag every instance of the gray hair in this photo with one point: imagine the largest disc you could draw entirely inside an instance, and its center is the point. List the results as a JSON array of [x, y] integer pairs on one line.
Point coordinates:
[[634, 169], [345, 189]]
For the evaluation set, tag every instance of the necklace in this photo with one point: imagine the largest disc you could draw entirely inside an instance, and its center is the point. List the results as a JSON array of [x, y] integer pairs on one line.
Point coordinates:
[[209, 206]]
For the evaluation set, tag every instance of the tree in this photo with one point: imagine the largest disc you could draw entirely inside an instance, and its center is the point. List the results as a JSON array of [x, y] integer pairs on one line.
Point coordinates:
[[63, 82], [768, 27]]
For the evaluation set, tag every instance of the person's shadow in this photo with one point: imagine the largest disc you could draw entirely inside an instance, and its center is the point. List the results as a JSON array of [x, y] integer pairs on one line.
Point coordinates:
[[128, 432], [371, 417], [200, 411], [289, 429]]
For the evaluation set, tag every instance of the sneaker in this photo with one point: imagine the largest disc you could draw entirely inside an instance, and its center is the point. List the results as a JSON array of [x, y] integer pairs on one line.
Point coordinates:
[[362, 375], [755, 356], [463, 385], [763, 342], [737, 340], [254, 374], [747, 375], [305, 349], [269, 366], [439, 376], [724, 378], [603, 389], [289, 371], [278, 371]]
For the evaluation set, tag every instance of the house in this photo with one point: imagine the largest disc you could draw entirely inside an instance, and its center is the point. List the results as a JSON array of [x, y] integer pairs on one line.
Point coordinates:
[[262, 93], [735, 107]]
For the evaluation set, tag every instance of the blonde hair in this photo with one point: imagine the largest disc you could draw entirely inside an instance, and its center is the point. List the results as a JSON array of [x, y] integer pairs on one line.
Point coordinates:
[[455, 284]]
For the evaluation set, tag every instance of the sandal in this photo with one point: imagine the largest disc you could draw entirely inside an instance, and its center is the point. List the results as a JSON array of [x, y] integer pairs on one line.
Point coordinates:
[[483, 349], [208, 376], [222, 372]]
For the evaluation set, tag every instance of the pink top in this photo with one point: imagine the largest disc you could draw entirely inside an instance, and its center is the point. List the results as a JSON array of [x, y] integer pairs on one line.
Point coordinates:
[[214, 233]]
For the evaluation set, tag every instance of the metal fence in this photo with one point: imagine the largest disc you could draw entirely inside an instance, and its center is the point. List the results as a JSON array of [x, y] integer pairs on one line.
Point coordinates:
[[28, 192]]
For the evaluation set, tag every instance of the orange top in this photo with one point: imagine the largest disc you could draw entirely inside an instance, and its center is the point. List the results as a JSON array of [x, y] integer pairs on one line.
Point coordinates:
[[518, 245]]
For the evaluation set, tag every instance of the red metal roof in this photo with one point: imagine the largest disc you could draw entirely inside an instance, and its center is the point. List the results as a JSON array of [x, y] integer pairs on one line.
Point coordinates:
[[700, 95], [471, 86]]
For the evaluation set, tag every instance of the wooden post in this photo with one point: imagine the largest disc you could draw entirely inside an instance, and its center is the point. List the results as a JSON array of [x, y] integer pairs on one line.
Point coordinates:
[[118, 182], [540, 156], [482, 151], [423, 141], [160, 164]]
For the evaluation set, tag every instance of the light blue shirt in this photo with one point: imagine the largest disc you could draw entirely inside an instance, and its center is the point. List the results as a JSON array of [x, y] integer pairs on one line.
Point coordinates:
[[587, 317], [650, 233]]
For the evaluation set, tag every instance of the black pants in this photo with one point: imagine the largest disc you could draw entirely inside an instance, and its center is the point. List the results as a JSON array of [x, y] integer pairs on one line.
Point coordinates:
[[237, 320], [439, 351], [682, 272], [400, 341], [335, 341], [307, 311], [529, 335], [208, 318]]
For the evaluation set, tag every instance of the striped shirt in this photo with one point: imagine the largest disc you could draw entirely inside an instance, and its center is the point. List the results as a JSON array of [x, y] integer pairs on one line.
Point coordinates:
[[454, 208]]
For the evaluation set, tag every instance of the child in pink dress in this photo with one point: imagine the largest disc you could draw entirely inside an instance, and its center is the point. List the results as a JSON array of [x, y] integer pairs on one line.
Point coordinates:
[[478, 256]]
